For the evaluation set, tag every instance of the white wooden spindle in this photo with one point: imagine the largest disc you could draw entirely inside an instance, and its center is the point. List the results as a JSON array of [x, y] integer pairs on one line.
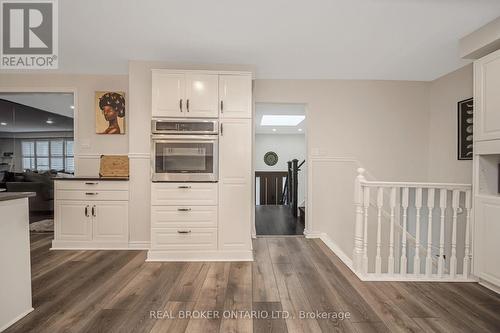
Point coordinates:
[[430, 207], [453, 259], [358, 229], [404, 259], [418, 206], [390, 262], [380, 203], [468, 206], [366, 205], [442, 208]]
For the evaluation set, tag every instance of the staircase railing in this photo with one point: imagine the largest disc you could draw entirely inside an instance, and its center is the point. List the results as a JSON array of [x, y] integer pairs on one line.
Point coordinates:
[[430, 213], [291, 188]]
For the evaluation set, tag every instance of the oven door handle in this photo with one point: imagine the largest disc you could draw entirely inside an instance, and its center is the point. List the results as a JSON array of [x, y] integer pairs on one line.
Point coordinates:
[[190, 138]]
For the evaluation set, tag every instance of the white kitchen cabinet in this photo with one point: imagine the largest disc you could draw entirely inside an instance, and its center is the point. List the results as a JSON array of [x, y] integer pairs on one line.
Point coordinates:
[[487, 230], [110, 221], [487, 98], [235, 185], [90, 214], [77, 219], [201, 95], [184, 94], [235, 96], [168, 94]]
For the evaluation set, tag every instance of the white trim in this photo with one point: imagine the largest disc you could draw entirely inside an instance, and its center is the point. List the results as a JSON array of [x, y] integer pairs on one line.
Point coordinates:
[[139, 155], [139, 245], [156, 255], [14, 320], [91, 245], [489, 285], [88, 156], [332, 246], [200, 71], [413, 277]]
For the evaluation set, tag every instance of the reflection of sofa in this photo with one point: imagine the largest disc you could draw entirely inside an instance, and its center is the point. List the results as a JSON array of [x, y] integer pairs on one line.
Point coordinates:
[[40, 183]]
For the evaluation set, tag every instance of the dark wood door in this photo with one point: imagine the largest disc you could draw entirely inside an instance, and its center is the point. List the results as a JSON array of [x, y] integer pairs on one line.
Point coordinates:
[[271, 186]]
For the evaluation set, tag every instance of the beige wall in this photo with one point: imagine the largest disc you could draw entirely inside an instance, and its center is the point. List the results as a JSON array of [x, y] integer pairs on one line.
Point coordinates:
[[89, 144], [445, 92]]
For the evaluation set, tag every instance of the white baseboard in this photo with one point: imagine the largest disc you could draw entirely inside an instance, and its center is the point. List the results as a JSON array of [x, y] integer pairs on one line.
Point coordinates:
[[14, 320], [332, 246], [489, 285], [70, 245], [158, 255], [139, 245]]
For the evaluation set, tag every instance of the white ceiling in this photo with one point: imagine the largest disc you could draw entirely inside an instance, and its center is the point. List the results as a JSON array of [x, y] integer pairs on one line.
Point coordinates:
[[343, 39], [262, 109]]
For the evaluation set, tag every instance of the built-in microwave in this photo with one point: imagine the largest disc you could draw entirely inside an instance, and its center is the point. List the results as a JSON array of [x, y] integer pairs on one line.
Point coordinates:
[[184, 150]]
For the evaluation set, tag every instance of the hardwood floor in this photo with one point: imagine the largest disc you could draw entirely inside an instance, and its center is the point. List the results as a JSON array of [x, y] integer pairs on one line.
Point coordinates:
[[114, 291], [277, 220]]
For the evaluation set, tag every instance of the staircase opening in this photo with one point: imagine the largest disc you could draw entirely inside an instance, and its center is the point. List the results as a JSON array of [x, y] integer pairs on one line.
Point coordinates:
[[280, 169]]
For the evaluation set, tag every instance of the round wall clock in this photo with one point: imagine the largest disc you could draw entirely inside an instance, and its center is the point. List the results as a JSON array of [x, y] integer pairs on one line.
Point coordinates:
[[271, 158]]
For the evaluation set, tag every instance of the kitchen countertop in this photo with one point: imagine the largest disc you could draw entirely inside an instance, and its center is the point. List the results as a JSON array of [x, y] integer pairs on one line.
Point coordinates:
[[91, 178], [4, 196]]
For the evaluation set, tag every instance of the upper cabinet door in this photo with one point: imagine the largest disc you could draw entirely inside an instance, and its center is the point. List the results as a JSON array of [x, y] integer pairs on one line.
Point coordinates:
[[487, 97], [202, 95], [235, 96], [168, 99]]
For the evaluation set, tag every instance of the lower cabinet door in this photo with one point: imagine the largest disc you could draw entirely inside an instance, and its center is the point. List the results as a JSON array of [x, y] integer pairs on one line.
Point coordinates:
[[110, 221], [73, 221], [487, 224]]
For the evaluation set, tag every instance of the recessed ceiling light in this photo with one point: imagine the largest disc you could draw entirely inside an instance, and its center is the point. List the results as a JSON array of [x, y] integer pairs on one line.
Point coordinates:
[[281, 120], [49, 121], [274, 129], [72, 107], [300, 130], [3, 123]]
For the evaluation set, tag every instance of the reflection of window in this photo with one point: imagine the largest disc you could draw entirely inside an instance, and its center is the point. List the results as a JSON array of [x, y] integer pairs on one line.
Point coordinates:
[[50, 154]]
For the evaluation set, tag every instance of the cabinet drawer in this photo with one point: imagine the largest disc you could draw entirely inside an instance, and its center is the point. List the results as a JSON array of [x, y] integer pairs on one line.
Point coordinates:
[[92, 195], [184, 194], [184, 216], [184, 239], [91, 185]]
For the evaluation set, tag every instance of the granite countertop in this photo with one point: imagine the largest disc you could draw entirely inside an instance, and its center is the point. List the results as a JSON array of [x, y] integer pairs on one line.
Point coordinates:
[[91, 178], [4, 196]]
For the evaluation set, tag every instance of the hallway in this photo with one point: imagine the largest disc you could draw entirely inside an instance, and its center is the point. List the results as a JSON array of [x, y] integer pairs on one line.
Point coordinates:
[[277, 220]]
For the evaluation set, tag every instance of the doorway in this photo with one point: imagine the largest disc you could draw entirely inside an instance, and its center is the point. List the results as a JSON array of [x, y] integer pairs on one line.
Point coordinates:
[[280, 169]]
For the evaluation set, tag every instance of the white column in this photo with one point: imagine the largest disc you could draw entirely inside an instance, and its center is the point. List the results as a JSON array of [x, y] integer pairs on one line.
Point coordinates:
[[404, 259], [390, 263], [366, 205], [468, 206], [358, 227], [430, 207], [442, 208], [380, 203], [418, 206], [453, 259]]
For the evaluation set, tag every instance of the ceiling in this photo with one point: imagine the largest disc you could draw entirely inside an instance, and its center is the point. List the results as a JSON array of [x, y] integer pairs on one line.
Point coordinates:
[[262, 109], [18, 118], [58, 103], [341, 39]]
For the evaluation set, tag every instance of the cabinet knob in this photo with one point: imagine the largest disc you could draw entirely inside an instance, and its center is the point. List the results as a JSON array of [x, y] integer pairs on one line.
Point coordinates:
[[93, 211], [87, 211], [91, 183], [180, 104], [187, 105], [184, 186], [184, 209], [91, 193], [184, 231]]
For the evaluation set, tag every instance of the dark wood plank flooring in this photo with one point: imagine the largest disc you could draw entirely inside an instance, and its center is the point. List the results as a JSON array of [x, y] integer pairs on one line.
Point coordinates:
[[277, 220], [114, 291]]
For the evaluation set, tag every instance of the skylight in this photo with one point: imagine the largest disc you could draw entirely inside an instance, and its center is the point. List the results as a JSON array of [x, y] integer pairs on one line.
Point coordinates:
[[281, 120]]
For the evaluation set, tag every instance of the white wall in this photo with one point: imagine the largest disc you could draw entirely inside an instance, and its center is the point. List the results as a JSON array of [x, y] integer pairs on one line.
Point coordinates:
[[90, 145], [445, 92], [288, 147]]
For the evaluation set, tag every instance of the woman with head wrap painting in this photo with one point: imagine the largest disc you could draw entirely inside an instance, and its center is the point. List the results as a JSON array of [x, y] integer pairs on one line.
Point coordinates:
[[113, 106]]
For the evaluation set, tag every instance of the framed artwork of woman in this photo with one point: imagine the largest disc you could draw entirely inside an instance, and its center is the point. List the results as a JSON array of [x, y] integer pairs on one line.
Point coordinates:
[[110, 112]]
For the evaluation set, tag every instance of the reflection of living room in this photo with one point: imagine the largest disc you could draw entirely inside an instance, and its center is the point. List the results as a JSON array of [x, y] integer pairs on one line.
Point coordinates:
[[36, 144]]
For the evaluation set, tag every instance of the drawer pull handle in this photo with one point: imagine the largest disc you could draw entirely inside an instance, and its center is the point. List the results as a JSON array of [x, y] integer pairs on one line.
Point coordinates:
[[184, 231], [184, 186], [91, 183], [91, 193], [184, 209]]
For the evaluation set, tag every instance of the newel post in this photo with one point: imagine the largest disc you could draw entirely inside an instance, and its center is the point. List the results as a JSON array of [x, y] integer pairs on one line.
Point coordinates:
[[358, 227]]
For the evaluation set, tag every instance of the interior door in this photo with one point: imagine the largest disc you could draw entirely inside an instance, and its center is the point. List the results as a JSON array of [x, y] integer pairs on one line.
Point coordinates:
[[110, 221], [168, 99], [74, 222], [235, 96], [202, 95]]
